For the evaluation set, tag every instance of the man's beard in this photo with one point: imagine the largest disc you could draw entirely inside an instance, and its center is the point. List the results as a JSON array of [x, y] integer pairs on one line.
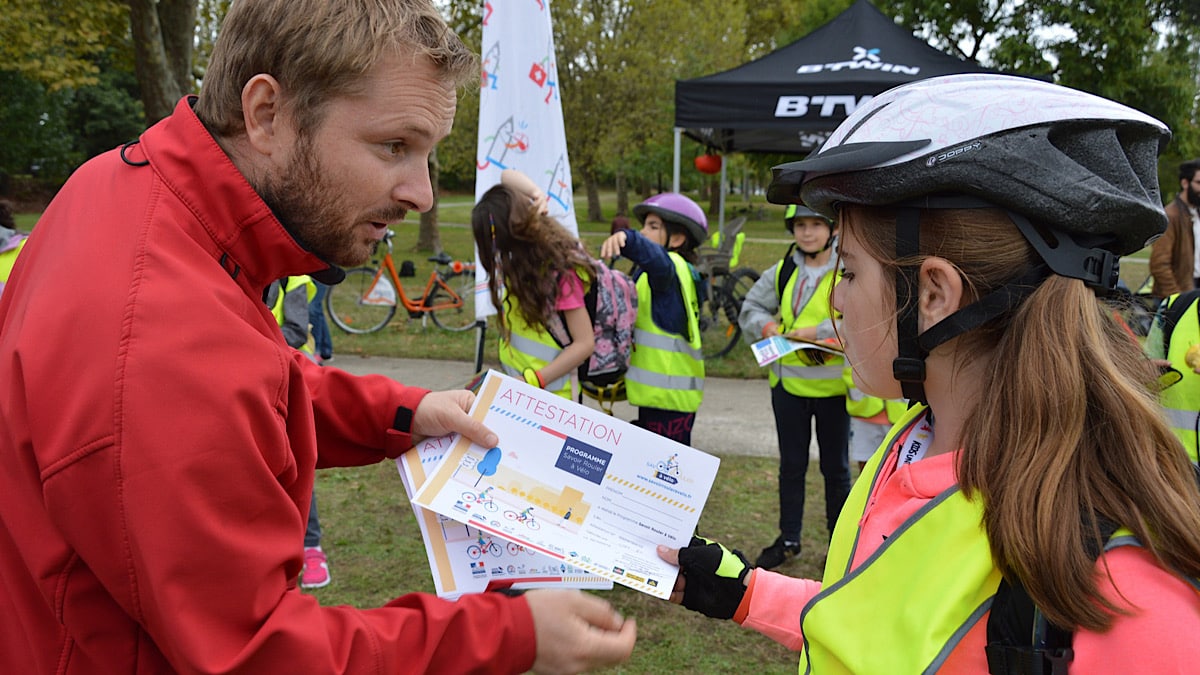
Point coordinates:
[[1193, 197], [311, 209]]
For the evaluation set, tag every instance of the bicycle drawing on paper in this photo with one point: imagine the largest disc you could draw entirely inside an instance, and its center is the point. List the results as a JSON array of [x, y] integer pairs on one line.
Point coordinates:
[[525, 516]]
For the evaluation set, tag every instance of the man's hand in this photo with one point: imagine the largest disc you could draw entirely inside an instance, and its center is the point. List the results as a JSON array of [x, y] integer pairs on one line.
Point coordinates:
[[577, 632], [612, 246], [712, 578], [442, 412]]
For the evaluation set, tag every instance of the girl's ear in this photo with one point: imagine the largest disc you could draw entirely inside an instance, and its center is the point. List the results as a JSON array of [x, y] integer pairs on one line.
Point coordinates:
[[941, 291], [676, 241]]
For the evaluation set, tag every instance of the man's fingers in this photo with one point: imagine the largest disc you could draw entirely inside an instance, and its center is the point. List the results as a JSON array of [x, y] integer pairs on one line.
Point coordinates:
[[615, 647], [598, 613]]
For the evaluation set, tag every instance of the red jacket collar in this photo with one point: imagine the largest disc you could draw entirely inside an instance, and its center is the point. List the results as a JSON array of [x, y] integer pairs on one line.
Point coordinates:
[[248, 236]]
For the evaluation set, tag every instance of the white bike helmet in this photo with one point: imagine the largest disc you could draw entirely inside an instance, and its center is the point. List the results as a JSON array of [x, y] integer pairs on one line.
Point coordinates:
[[1081, 167]]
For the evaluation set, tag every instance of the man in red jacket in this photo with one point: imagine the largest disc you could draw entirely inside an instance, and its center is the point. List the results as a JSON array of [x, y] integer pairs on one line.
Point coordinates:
[[152, 415]]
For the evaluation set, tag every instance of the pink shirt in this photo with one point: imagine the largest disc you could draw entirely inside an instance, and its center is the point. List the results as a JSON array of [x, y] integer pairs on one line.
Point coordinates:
[[1159, 637], [570, 291]]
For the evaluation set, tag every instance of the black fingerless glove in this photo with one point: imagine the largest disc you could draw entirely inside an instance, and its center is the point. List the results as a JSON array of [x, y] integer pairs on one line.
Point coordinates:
[[715, 578]]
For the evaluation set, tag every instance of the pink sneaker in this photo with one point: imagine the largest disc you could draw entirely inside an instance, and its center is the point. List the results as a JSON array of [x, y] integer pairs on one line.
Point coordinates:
[[316, 568]]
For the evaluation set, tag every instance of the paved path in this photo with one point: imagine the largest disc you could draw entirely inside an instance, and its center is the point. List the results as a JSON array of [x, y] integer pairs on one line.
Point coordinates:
[[735, 418]]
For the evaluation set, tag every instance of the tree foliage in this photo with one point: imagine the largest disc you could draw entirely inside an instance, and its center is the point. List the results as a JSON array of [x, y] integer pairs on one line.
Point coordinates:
[[1139, 52], [55, 42]]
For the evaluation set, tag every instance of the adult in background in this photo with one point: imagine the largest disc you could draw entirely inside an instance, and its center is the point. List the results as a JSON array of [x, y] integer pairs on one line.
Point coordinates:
[[1174, 259], [154, 418]]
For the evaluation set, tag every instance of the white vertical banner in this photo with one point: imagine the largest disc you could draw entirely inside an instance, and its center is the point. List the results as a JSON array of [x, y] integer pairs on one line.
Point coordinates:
[[520, 113]]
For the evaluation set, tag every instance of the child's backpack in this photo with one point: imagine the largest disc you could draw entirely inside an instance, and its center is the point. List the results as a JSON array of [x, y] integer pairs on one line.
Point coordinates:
[[611, 301]]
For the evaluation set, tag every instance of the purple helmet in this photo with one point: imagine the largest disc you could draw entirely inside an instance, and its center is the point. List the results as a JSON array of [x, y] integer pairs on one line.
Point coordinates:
[[673, 207]]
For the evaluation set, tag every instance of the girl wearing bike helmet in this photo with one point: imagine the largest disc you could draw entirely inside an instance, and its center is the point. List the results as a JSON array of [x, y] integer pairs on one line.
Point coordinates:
[[982, 217], [533, 264], [803, 388], [666, 371]]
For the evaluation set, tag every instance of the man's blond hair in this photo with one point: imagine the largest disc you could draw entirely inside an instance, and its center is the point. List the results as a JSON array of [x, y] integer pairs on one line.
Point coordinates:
[[319, 50]]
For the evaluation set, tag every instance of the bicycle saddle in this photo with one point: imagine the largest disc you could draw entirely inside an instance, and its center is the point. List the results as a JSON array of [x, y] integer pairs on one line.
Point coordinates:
[[442, 258]]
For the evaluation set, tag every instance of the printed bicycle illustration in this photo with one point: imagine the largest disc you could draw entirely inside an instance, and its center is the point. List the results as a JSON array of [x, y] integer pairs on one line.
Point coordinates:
[[475, 551], [514, 549], [670, 466], [366, 300], [525, 516], [483, 498]]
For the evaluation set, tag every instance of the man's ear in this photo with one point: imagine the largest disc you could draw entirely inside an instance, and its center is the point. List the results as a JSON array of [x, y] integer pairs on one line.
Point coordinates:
[[941, 291], [262, 113]]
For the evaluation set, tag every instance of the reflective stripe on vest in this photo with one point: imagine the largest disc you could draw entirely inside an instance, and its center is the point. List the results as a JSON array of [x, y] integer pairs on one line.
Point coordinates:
[[926, 615], [666, 371], [1182, 399], [799, 378], [529, 348]]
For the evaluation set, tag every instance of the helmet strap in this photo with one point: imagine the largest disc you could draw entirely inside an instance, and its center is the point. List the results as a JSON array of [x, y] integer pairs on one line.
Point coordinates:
[[909, 366], [990, 306], [1095, 267]]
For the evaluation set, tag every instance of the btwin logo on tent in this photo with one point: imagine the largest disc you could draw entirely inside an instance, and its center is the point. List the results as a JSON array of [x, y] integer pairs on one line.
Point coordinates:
[[863, 59], [827, 106]]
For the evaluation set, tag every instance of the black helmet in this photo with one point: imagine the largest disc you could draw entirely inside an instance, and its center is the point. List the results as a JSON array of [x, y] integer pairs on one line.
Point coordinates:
[[794, 211], [1063, 158]]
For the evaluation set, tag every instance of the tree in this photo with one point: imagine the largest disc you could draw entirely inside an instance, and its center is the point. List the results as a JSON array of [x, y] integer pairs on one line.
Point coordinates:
[[617, 63], [54, 42], [163, 33], [1139, 52]]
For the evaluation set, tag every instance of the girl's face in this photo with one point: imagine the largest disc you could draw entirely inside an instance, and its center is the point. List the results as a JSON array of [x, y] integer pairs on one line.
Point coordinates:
[[654, 229], [867, 328]]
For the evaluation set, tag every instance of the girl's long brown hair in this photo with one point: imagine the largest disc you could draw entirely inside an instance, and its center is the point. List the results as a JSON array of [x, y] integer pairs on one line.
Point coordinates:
[[1067, 427], [522, 250]]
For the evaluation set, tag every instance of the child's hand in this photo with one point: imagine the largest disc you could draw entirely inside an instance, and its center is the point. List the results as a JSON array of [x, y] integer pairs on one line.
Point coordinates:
[[612, 246], [712, 580]]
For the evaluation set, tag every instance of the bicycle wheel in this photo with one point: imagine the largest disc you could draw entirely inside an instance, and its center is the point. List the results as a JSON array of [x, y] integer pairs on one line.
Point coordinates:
[[454, 318], [719, 329], [360, 304]]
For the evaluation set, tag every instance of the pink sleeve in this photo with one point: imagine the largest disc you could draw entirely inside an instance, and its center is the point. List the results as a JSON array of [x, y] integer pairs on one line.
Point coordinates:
[[570, 291], [775, 602], [1160, 634]]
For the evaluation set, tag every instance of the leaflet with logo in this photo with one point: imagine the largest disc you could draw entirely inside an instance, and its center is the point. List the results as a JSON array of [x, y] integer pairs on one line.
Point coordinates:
[[464, 559], [775, 347], [574, 484]]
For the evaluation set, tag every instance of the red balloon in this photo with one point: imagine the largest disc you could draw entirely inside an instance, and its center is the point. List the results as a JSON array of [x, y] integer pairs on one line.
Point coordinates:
[[710, 164]]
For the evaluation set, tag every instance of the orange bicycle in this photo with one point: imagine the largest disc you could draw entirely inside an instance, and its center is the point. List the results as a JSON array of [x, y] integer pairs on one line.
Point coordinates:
[[366, 300]]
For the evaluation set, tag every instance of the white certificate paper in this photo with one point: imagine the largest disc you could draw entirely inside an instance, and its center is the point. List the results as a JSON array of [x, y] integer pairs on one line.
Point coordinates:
[[573, 483], [464, 559]]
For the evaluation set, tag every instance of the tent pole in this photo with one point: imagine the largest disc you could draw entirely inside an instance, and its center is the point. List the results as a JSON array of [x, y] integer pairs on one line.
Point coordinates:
[[675, 177], [721, 217]]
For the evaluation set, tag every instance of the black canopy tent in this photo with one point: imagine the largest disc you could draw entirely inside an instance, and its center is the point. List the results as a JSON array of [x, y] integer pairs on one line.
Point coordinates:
[[790, 100]]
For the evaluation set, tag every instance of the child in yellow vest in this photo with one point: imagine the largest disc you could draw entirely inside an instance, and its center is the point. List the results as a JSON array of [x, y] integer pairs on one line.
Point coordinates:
[[791, 298], [1033, 511], [665, 379]]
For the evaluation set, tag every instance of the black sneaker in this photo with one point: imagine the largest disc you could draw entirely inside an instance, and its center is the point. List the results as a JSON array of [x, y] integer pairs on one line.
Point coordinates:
[[777, 553]]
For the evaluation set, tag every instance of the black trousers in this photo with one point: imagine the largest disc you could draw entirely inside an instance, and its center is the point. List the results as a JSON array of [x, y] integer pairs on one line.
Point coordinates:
[[793, 427]]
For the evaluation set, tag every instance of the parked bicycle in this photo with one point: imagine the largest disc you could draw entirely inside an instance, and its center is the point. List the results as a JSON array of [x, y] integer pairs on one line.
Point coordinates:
[[367, 299], [725, 290]]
